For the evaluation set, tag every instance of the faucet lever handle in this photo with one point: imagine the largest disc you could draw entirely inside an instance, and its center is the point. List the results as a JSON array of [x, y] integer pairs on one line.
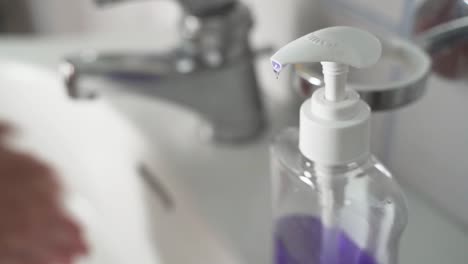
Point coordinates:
[[193, 7], [107, 2]]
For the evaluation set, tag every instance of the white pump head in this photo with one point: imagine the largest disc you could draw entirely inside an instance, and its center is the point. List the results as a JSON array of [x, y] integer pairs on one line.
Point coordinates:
[[334, 126]]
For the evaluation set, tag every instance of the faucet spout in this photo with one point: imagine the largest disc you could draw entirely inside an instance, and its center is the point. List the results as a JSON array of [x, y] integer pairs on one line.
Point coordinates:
[[227, 97], [443, 35]]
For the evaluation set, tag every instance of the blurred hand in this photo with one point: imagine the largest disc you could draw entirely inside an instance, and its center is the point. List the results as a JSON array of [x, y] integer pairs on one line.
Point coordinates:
[[452, 61], [34, 228]]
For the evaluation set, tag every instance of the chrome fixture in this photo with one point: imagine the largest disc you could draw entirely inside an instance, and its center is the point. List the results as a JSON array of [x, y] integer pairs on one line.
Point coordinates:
[[211, 71], [440, 31], [398, 78]]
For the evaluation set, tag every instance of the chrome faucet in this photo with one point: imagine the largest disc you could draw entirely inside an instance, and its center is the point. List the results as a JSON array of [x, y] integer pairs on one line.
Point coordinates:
[[211, 71]]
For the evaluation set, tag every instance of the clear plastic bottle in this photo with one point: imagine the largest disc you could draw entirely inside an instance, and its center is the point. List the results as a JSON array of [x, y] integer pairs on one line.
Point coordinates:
[[334, 202], [352, 213]]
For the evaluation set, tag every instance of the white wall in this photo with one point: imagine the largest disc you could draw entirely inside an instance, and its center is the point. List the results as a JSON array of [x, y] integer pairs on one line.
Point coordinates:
[[66, 16], [70, 16]]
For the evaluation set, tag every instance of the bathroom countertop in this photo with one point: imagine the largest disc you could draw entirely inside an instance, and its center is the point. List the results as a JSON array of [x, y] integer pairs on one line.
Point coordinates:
[[431, 237]]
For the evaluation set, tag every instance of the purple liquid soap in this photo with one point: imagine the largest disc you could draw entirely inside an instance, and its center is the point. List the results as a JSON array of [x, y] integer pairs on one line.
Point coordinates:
[[299, 238]]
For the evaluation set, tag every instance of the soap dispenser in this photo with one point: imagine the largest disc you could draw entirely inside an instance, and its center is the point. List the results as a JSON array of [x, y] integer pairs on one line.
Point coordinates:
[[334, 203]]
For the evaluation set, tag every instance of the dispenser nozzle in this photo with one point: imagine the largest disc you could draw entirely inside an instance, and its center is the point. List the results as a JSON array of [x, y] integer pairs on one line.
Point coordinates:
[[335, 76], [334, 124], [336, 48]]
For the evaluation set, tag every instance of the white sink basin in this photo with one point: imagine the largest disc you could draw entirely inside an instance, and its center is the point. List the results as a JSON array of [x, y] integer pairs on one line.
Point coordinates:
[[229, 183], [127, 218], [227, 186]]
